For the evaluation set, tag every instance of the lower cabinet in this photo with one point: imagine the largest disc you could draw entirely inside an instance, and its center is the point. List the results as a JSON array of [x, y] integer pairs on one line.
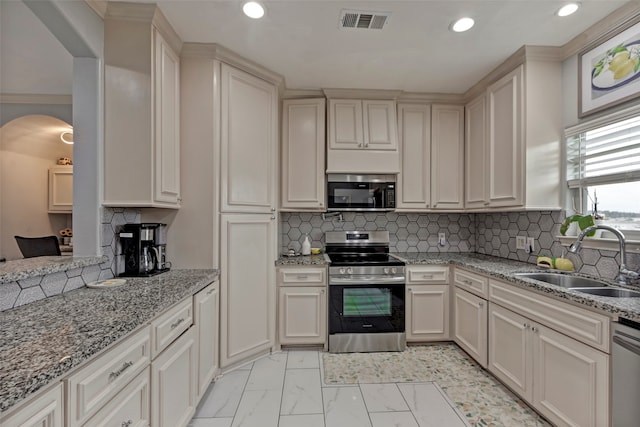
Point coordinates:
[[565, 380], [173, 383], [302, 306], [470, 324], [45, 410], [206, 309], [427, 313]]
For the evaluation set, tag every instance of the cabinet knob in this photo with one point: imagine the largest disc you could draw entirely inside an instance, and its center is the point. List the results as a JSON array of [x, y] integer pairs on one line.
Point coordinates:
[[410, 289], [533, 329], [480, 304], [322, 291], [273, 209], [366, 144], [360, 144]]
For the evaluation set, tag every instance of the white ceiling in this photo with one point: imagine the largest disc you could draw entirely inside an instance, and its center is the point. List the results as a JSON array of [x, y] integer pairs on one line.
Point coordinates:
[[301, 40]]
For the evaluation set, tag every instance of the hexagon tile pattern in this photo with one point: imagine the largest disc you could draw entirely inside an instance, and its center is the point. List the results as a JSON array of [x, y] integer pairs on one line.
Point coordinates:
[[485, 233]]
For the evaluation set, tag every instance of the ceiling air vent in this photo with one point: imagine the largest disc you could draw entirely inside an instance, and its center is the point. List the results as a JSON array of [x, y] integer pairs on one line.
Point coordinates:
[[363, 19]]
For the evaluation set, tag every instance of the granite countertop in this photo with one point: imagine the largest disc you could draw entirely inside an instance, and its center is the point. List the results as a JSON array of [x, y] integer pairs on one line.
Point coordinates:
[[42, 341], [12, 271], [503, 269]]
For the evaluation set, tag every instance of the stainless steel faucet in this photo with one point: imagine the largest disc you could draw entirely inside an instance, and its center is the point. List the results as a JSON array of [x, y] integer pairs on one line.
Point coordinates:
[[624, 274]]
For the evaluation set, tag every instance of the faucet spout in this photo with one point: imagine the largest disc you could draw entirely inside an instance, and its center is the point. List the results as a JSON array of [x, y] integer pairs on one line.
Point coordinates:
[[624, 274]]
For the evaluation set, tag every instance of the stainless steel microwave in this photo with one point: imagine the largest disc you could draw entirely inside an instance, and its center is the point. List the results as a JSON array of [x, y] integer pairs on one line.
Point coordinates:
[[361, 192]]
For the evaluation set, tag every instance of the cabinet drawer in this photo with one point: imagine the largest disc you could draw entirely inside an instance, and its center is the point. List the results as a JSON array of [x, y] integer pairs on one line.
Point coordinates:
[[166, 328], [129, 408], [583, 325], [298, 276], [470, 282], [95, 384], [431, 274]]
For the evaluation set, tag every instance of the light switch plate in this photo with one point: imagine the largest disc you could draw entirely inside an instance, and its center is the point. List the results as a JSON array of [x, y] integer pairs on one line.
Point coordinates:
[[521, 242], [442, 240]]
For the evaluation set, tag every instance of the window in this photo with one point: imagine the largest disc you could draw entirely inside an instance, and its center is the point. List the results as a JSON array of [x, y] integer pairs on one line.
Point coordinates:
[[603, 169]]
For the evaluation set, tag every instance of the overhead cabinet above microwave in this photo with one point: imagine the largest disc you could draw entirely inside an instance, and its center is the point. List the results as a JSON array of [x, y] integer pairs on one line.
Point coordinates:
[[362, 137]]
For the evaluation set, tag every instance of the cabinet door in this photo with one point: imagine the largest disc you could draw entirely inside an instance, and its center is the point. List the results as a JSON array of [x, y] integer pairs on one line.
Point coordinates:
[[475, 170], [414, 180], [43, 411], [447, 156], [345, 124], [206, 308], [510, 350], [61, 189], [379, 125], [249, 113], [470, 324], [303, 315], [303, 148], [173, 383], [571, 380], [427, 313], [247, 286], [505, 140], [167, 123]]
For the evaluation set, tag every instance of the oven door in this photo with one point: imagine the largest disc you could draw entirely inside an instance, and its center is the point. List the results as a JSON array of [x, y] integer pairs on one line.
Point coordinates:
[[366, 308]]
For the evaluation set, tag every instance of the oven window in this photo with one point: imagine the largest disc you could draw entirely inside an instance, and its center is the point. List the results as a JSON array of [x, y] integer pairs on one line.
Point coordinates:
[[366, 302]]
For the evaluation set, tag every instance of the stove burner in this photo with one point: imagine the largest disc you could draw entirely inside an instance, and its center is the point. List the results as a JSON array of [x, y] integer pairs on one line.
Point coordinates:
[[346, 259]]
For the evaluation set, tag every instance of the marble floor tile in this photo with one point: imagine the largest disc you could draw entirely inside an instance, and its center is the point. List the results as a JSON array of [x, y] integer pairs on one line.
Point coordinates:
[[211, 422], [344, 407], [429, 406], [393, 419], [268, 373], [258, 408], [383, 398], [223, 396], [315, 420], [302, 392], [303, 360]]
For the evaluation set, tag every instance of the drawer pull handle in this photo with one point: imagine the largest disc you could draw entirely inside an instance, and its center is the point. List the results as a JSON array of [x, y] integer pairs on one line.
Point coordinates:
[[427, 276], [467, 282], [116, 374], [302, 277], [210, 291], [177, 322], [126, 423]]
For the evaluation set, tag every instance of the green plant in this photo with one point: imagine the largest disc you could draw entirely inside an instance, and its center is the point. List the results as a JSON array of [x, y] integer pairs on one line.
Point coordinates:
[[583, 221]]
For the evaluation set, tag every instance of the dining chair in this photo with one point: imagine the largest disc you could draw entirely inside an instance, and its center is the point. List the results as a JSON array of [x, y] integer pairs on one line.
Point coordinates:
[[38, 246]]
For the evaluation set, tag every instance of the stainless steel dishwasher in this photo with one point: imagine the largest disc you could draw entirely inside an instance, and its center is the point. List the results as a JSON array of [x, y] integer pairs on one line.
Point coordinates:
[[625, 363]]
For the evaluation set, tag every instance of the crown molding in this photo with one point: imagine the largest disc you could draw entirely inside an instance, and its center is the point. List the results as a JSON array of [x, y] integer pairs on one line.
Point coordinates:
[[98, 6], [362, 93], [35, 98], [215, 51], [431, 98], [302, 93]]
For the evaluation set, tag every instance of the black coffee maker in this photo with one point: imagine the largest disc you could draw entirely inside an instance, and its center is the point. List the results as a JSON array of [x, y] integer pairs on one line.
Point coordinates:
[[143, 249]]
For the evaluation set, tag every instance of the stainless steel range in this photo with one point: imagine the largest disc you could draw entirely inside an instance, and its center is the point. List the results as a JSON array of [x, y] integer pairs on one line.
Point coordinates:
[[366, 293]]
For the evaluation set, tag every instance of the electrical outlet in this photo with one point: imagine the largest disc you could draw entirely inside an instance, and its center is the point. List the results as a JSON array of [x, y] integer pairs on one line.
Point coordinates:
[[530, 244], [442, 239], [521, 242]]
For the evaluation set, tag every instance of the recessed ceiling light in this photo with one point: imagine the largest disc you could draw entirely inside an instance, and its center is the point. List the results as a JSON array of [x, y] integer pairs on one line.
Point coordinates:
[[67, 137], [462, 24], [568, 9], [253, 10]]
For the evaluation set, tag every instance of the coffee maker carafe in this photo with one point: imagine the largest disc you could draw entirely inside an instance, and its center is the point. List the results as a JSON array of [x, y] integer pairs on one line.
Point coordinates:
[[143, 249]]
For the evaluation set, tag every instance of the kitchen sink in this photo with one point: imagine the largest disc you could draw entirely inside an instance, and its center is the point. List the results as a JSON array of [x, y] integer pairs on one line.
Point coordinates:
[[564, 280], [609, 292]]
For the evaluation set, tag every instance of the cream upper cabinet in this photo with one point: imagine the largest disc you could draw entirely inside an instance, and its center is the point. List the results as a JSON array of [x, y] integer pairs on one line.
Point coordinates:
[[362, 136], [249, 118], [475, 170], [61, 189], [431, 154], [142, 126], [303, 154], [447, 156]]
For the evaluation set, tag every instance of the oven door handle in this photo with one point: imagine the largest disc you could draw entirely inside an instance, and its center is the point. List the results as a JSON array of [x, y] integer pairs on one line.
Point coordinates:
[[367, 280]]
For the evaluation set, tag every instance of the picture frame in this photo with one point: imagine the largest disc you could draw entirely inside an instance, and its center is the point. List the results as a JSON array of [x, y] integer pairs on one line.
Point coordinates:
[[609, 72]]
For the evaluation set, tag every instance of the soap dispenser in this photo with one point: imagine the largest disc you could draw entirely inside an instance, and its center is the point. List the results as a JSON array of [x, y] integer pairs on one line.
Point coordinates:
[[306, 245]]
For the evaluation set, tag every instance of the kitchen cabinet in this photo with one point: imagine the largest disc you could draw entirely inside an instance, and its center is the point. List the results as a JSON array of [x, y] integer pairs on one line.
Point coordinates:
[[303, 154], [247, 286], [166, 328], [475, 170], [302, 307], [173, 383], [564, 379], [45, 410], [206, 305], [142, 126], [61, 189], [470, 324], [362, 136], [432, 154], [248, 148], [427, 303]]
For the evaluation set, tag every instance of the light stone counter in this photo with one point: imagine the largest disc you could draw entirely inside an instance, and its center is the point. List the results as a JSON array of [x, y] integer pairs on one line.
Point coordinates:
[[42, 341], [12, 271]]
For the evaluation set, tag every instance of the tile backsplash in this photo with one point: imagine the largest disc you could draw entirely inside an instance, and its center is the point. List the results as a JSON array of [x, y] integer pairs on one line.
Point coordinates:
[[485, 233]]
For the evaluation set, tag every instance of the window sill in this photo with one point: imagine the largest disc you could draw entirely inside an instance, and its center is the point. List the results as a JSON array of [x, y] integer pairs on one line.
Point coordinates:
[[633, 246]]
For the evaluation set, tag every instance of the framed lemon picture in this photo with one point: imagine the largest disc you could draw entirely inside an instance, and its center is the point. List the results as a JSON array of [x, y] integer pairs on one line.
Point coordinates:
[[609, 73]]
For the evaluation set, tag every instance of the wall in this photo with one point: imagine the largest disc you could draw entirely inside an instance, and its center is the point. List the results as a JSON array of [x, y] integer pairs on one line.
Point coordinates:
[[28, 147]]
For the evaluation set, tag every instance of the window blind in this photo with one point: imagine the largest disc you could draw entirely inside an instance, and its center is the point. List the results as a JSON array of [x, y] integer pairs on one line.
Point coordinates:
[[606, 154]]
